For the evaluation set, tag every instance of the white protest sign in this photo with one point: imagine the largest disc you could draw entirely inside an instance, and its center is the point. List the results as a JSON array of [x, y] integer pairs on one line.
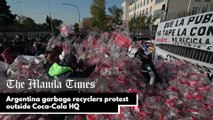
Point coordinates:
[[194, 31]]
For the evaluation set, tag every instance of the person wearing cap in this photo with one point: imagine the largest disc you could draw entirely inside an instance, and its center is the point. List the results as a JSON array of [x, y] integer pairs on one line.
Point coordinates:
[[145, 56]]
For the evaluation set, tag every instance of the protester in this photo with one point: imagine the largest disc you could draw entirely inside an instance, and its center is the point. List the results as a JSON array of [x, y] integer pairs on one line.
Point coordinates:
[[76, 28], [35, 48], [148, 68], [6, 55], [68, 68]]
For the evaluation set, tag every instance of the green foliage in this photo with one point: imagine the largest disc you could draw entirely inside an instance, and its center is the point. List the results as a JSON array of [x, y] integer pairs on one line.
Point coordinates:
[[20, 19], [86, 23], [6, 17], [141, 23], [56, 22], [116, 14], [98, 13], [28, 22]]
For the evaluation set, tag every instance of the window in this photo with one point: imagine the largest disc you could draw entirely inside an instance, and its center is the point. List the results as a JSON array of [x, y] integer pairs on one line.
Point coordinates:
[[158, 1], [207, 0], [151, 0], [197, 0], [147, 1], [204, 9], [211, 8], [150, 9], [141, 4], [194, 10], [143, 12], [138, 5], [147, 10], [144, 3], [157, 13]]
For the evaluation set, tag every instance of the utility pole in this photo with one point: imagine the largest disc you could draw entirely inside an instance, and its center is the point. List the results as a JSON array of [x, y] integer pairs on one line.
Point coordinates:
[[79, 18], [51, 22], [19, 7]]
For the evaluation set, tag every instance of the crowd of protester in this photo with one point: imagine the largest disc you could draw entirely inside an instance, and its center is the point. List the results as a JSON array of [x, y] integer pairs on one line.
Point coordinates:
[[63, 53], [22, 45]]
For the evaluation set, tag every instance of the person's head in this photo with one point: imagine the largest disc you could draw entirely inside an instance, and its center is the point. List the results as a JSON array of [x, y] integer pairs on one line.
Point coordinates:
[[71, 61], [56, 51], [146, 43], [52, 57], [46, 53], [17, 37], [149, 43]]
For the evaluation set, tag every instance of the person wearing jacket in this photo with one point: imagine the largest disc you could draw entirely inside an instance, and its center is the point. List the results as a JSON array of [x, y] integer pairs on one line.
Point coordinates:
[[68, 69], [148, 68]]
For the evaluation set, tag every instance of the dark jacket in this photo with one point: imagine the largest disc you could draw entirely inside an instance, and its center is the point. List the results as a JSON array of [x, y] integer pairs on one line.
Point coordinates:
[[145, 58]]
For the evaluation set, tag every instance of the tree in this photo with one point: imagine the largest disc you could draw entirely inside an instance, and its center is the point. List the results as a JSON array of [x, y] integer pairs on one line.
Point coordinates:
[[86, 23], [28, 22], [48, 21], [56, 22], [116, 14], [144, 23], [6, 17], [98, 13], [43, 26], [20, 19]]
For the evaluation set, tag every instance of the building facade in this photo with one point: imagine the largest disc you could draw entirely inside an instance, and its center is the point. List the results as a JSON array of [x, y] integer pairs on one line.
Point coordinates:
[[164, 9], [181, 8], [125, 5], [143, 7]]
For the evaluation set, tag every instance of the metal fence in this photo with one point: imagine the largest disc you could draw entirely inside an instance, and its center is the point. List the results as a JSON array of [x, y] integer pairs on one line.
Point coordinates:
[[191, 53]]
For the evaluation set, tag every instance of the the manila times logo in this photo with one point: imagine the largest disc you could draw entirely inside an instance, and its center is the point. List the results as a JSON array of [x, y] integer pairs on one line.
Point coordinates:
[[51, 84]]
